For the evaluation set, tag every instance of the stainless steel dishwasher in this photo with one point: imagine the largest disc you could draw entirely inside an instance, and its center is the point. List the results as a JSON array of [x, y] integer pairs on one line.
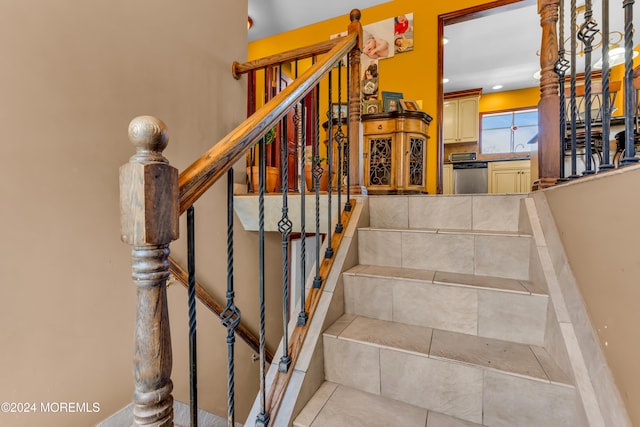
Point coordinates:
[[470, 177]]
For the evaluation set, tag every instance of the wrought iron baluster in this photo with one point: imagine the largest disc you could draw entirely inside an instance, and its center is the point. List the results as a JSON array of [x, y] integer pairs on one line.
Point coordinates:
[[296, 127], [339, 139], [282, 146], [230, 317], [284, 227], [629, 92], [587, 32], [329, 251], [191, 300], [574, 108], [347, 148], [263, 417], [561, 67], [317, 173], [301, 135], [606, 101]]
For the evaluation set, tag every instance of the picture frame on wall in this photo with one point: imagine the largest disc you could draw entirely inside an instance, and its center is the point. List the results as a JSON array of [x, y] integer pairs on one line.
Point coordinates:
[[371, 106], [340, 110], [391, 101], [409, 105]]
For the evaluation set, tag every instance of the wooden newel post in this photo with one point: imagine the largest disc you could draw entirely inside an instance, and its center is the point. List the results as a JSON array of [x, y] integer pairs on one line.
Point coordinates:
[[354, 102], [549, 140], [149, 222]]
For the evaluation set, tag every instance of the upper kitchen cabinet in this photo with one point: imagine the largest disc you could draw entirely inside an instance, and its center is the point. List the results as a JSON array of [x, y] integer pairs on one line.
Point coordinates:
[[460, 116]]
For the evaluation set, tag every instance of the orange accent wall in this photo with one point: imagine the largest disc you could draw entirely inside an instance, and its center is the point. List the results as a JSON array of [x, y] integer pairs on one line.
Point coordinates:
[[509, 100]]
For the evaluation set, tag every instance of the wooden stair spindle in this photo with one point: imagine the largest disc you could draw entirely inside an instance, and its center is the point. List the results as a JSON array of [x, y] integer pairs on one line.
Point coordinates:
[[549, 144], [149, 214], [353, 156]]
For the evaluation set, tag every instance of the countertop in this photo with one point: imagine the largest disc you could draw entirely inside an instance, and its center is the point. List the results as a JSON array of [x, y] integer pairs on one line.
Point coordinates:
[[491, 159]]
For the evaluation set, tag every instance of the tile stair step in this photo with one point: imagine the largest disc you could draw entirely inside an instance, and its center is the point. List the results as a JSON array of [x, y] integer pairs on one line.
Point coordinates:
[[482, 380], [487, 253], [465, 212], [493, 307], [337, 405]]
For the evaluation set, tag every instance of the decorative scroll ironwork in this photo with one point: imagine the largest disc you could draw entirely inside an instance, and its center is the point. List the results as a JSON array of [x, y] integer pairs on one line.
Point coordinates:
[[284, 227], [300, 131], [416, 161], [380, 150], [329, 251], [317, 173], [339, 137], [586, 34]]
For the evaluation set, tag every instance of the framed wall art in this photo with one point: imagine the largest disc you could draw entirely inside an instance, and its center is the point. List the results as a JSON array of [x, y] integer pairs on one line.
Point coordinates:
[[391, 101], [409, 105], [371, 106]]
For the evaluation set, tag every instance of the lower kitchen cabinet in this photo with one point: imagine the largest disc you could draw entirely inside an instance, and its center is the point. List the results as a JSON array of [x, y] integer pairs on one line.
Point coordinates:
[[510, 176], [447, 179]]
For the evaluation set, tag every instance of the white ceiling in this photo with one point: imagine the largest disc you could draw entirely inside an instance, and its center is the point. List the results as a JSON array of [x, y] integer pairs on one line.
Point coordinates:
[[495, 49], [278, 16], [502, 48]]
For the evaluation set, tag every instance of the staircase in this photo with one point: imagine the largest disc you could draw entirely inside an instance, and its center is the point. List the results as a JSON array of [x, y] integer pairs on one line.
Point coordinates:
[[443, 325]]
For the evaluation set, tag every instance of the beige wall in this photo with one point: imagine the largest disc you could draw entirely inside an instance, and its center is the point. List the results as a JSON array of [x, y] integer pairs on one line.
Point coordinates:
[[72, 76], [598, 223]]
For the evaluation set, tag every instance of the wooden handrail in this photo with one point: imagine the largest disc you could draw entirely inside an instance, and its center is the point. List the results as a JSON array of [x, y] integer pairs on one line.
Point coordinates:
[[205, 171], [237, 69], [212, 304]]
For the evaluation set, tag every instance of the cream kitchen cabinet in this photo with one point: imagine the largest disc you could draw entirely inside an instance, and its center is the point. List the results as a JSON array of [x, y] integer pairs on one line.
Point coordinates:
[[395, 151], [447, 179], [512, 176], [460, 118]]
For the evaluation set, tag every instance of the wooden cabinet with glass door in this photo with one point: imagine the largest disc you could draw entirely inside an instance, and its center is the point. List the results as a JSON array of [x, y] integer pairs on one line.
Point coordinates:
[[395, 151]]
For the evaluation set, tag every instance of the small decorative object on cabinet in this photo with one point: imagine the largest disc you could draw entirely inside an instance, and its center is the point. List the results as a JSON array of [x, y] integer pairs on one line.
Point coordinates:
[[460, 118], [395, 151], [391, 101], [371, 106], [512, 176]]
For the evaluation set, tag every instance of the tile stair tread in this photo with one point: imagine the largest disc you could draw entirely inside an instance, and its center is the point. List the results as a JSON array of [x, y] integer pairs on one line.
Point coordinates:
[[522, 360], [336, 404], [451, 231], [448, 278]]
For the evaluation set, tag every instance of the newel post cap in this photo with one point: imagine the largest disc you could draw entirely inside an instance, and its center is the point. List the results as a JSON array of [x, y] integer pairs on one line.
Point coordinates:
[[149, 208]]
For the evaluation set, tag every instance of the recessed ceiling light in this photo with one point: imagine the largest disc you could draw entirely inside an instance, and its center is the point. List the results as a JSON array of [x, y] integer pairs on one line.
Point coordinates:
[[445, 80], [445, 40], [496, 87], [616, 57], [537, 75]]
